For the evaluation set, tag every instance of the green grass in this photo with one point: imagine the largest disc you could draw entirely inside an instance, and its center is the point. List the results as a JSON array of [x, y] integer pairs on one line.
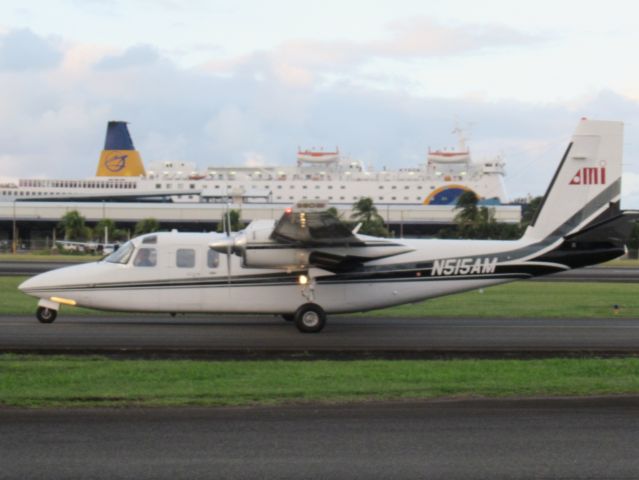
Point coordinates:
[[47, 257], [518, 299], [34, 381]]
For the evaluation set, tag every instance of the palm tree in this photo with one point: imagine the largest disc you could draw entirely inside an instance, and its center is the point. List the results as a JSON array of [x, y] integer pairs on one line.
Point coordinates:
[[365, 212], [72, 223], [146, 225]]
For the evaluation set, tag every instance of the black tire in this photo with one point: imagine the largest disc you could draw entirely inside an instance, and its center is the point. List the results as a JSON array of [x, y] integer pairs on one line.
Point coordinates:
[[46, 315], [289, 317], [310, 318]]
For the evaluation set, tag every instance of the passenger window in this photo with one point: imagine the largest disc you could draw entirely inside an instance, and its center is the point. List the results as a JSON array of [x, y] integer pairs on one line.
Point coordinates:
[[145, 257], [212, 258], [185, 258]]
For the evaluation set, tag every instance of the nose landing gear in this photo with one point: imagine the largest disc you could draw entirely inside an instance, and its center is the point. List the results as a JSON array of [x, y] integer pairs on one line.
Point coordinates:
[[46, 315]]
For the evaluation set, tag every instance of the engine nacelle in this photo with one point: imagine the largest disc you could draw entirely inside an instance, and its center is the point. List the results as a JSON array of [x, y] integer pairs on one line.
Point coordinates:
[[275, 257]]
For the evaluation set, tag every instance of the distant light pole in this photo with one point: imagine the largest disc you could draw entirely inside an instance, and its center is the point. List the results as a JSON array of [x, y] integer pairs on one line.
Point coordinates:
[[14, 235]]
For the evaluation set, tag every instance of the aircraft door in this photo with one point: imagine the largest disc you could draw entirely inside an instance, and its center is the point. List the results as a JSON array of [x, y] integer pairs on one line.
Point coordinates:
[[186, 270]]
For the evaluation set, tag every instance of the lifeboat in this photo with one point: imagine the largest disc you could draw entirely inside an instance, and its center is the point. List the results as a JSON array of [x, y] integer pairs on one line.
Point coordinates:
[[318, 157]]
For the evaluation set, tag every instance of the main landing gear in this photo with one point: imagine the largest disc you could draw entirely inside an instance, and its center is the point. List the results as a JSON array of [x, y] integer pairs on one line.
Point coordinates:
[[46, 315], [310, 318]]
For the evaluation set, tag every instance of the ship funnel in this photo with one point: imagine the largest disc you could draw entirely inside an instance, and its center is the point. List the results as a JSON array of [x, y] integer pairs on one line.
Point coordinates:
[[119, 157]]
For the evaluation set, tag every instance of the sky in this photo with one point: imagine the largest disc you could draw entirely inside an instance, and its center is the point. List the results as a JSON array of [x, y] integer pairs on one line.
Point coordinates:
[[248, 82]]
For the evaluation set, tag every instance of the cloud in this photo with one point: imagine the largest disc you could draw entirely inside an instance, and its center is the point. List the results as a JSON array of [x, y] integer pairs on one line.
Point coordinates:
[[136, 56], [22, 50], [300, 62]]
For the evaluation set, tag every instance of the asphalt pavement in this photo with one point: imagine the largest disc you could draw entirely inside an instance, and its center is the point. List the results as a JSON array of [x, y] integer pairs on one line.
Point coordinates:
[[541, 439], [344, 336]]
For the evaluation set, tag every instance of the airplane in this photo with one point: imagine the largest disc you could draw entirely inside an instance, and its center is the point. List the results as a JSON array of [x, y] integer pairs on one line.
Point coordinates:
[[309, 264]]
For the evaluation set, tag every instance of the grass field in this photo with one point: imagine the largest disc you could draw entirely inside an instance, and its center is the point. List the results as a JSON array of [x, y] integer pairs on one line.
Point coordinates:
[[33, 381], [518, 299]]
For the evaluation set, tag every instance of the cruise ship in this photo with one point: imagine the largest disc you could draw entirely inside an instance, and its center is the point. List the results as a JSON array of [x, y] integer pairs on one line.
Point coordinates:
[[317, 175]]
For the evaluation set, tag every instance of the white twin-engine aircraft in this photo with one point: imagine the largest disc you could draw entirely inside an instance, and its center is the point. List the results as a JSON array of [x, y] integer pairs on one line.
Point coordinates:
[[309, 264]]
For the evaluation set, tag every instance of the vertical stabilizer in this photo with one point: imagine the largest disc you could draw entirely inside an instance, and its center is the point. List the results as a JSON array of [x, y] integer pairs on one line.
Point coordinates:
[[119, 157], [586, 183]]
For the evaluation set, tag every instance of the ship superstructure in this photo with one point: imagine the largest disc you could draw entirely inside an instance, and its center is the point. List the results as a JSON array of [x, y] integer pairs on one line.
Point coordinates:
[[317, 174]]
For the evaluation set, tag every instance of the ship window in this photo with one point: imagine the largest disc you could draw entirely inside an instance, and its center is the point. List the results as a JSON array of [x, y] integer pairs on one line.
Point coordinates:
[[317, 187], [405, 198], [330, 198], [406, 187], [217, 186], [292, 187], [418, 198], [279, 198], [330, 187], [150, 239], [290, 198], [342, 187], [381, 187], [304, 187], [394, 187], [341, 198], [168, 185], [393, 198], [185, 258], [419, 187], [381, 198], [145, 257], [212, 259], [432, 187], [192, 186], [279, 187]]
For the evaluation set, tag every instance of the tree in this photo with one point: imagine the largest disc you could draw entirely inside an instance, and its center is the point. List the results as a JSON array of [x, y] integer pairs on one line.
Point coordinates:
[[114, 233], [234, 217], [364, 211], [146, 225], [529, 210], [478, 222], [73, 226]]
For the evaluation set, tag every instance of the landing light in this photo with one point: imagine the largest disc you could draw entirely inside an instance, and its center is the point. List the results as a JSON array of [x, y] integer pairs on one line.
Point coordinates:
[[63, 301], [303, 279]]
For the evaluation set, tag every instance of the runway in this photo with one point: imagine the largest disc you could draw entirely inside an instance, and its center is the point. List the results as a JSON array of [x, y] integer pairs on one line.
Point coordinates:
[[343, 337], [569, 438]]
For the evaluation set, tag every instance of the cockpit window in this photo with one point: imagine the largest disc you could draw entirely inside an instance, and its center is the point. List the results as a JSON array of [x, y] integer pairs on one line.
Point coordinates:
[[122, 254], [145, 257]]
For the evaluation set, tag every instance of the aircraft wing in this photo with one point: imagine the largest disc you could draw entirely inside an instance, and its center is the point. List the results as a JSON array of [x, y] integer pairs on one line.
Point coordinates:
[[313, 229], [306, 238]]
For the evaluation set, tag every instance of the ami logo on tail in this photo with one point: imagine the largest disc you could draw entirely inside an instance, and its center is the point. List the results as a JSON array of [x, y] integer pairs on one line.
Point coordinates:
[[589, 176]]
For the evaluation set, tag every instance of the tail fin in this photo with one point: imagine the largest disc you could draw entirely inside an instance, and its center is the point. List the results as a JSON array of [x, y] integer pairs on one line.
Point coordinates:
[[586, 184], [119, 157]]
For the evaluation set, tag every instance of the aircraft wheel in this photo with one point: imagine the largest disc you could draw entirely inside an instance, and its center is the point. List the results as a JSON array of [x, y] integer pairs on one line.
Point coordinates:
[[310, 318], [289, 317], [46, 315]]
